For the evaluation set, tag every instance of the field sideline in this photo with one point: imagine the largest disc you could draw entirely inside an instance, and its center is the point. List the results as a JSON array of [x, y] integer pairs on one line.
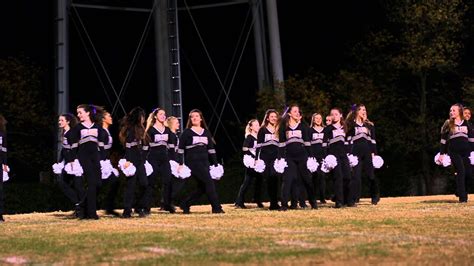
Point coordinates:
[[406, 230]]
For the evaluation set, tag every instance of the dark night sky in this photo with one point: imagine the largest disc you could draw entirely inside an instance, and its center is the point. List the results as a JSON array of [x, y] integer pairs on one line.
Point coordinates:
[[313, 34]]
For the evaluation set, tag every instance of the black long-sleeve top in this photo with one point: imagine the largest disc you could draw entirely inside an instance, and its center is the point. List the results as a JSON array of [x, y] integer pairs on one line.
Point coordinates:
[[87, 140], [250, 146], [108, 146], [295, 142], [460, 140], [318, 147], [335, 140], [133, 148], [267, 144], [3, 148], [66, 150], [361, 136], [196, 146], [162, 144]]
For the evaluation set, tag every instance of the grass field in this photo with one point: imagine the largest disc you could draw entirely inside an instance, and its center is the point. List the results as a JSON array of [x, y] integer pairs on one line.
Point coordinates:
[[407, 230]]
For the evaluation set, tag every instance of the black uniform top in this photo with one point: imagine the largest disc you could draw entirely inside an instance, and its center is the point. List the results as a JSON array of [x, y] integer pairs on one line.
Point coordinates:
[[133, 147], [250, 146], [267, 144], [108, 146], [295, 142], [3, 148], [196, 146], [162, 143], [318, 147], [335, 140], [461, 140], [87, 140], [361, 136], [66, 150]]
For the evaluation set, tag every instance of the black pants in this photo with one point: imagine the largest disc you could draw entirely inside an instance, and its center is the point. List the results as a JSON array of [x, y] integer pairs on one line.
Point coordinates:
[[129, 197], [205, 185], [91, 166], [298, 193], [1, 196], [271, 178], [161, 166], [319, 181], [72, 187], [113, 185], [461, 163], [250, 176], [366, 167], [296, 170], [342, 180]]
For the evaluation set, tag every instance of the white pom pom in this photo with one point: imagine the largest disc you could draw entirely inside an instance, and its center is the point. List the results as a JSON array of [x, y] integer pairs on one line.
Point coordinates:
[[259, 166], [115, 172], [330, 161], [446, 160], [377, 161], [5, 176], [471, 158], [129, 170], [106, 168], [353, 160], [324, 167], [74, 168], [174, 168], [216, 171], [312, 164], [280, 165], [58, 168], [249, 161], [184, 172], [148, 168]]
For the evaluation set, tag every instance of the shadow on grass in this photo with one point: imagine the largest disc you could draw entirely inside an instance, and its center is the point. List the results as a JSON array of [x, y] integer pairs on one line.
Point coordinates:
[[439, 201], [63, 216]]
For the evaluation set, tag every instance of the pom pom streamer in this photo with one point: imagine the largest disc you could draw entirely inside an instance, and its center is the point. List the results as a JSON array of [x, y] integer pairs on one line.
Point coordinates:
[[249, 161], [280, 165], [312, 164], [259, 166], [216, 171]]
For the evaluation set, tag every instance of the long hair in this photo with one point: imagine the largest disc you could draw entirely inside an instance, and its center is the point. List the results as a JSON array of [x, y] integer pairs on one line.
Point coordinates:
[[449, 124], [169, 119], [285, 120], [3, 124], [312, 120], [71, 119], [189, 124], [96, 113], [249, 125], [133, 122], [150, 121]]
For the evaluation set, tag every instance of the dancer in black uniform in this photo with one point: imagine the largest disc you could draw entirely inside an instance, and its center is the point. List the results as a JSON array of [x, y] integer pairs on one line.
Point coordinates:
[[112, 181], [3, 160], [85, 140], [295, 147], [335, 139], [71, 185], [250, 148], [196, 147], [177, 184], [361, 138], [132, 136], [317, 135], [267, 150], [161, 149], [457, 139]]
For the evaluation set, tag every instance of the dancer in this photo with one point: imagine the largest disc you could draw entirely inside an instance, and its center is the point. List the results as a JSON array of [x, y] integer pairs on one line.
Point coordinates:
[[267, 151], [196, 148], [249, 148], [132, 136], [361, 137], [161, 150], [317, 135], [295, 148], [457, 140]]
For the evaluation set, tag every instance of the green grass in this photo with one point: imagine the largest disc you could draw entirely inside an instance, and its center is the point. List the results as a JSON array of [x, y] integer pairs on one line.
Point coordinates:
[[424, 230]]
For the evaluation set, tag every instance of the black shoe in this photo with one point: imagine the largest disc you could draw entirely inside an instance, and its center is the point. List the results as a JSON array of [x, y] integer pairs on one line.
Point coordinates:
[[170, 209], [375, 200], [127, 214], [240, 206], [142, 213], [283, 209], [218, 211], [274, 207], [322, 201], [338, 205], [185, 208], [79, 212], [147, 211], [314, 205], [260, 205], [113, 213], [1, 219], [463, 199], [333, 198], [351, 204], [357, 200], [93, 217]]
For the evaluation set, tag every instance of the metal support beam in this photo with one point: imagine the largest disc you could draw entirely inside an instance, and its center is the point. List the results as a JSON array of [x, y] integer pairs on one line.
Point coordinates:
[[62, 61], [162, 55], [260, 44], [275, 49]]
